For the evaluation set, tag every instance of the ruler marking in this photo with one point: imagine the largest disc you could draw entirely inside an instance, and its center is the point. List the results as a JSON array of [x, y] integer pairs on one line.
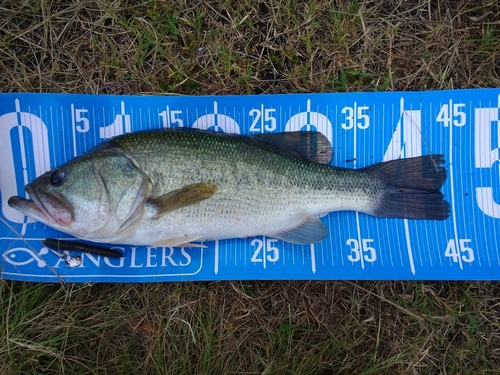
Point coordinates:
[[261, 118], [17, 104], [140, 117], [51, 115], [264, 251], [236, 251], [404, 118], [452, 192], [330, 240], [403, 122], [245, 253], [424, 247], [313, 259], [150, 120], [408, 246], [21, 141], [442, 262], [427, 144], [391, 259], [73, 128], [377, 222], [281, 121], [483, 216], [225, 254], [285, 253], [470, 186], [429, 255], [365, 221], [341, 253], [65, 157], [355, 142], [216, 257], [429, 250], [498, 145]]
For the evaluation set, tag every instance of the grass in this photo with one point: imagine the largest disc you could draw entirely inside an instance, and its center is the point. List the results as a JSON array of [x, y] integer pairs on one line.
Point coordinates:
[[286, 328], [229, 47]]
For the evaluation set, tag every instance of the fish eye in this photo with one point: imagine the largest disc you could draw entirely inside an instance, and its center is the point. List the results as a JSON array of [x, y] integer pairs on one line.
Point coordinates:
[[57, 177]]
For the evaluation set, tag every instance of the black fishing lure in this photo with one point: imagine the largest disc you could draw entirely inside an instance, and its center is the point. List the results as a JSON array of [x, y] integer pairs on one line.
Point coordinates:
[[61, 245]]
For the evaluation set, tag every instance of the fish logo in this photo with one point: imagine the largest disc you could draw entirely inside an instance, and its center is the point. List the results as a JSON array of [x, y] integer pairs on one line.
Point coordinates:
[[17, 256]]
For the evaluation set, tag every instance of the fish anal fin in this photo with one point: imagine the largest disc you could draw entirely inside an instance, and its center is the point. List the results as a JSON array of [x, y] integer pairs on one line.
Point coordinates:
[[184, 241], [185, 196], [307, 146], [311, 230]]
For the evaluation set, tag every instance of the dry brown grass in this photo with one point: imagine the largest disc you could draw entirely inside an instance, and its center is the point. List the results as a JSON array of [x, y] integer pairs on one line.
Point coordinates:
[[251, 328], [231, 47], [153, 46]]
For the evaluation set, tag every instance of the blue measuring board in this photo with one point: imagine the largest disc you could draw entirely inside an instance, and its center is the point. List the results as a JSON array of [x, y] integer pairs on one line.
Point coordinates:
[[41, 131]]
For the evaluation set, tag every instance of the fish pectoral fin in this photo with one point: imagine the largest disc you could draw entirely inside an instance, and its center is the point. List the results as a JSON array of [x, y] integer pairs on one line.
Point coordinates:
[[310, 231], [308, 146], [183, 241], [185, 196]]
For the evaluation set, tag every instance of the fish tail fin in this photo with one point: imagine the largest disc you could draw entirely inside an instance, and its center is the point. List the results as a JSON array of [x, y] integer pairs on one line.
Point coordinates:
[[412, 188]]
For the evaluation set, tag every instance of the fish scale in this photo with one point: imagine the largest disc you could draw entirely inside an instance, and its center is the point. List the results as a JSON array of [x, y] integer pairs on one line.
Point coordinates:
[[264, 182]]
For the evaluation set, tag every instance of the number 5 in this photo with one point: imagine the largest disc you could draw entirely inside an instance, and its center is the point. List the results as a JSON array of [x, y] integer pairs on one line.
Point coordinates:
[[79, 118], [365, 119]]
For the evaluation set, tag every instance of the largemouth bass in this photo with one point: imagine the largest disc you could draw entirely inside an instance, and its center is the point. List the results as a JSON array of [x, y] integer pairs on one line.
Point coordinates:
[[173, 187]]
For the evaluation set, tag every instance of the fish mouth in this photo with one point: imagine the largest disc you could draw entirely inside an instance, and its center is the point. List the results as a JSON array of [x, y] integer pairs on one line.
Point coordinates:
[[45, 207]]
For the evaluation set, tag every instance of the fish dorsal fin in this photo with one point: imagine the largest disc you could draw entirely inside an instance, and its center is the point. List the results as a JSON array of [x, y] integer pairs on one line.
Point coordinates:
[[185, 196], [306, 146], [310, 231]]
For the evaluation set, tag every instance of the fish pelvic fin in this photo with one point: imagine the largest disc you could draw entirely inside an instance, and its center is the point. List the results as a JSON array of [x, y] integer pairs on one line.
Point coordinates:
[[412, 188], [311, 230], [182, 197]]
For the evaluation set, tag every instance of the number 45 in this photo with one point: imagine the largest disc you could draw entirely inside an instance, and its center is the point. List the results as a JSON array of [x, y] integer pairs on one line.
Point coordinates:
[[454, 249], [452, 112]]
